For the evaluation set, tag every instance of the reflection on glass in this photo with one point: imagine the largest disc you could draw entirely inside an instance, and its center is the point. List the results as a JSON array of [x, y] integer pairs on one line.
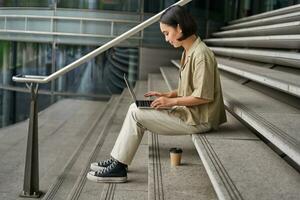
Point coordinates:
[[115, 5], [25, 3], [24, 58], [101, 75], [21, 58], [269, 5], [14, 106], [252, 7]]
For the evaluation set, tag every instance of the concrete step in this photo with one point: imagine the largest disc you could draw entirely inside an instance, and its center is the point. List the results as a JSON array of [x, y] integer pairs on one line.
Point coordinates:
[[266, 115], [276, 121], [62, 127], [281, 11], [274, 93], [287, 82], [289, 28], [176, 63], [285, 58], [170, 75], [231, 156], [284, 18], [136, 187], [269, 41], [73, 166], [187, 181], [242, 167]]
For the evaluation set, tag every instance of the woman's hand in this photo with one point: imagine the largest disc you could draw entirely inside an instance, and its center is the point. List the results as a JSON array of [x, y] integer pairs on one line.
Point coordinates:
[[153, 93], [163, 102]]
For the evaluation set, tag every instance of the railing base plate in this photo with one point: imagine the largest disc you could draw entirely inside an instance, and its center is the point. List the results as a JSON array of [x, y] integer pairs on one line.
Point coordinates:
[[34, 195]]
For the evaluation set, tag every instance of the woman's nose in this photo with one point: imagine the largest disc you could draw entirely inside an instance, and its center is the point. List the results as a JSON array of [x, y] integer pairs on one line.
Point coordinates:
[[166, 38]]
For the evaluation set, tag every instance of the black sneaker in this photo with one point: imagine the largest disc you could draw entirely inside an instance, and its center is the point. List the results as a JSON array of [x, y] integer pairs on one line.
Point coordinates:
[[98, 166], [115, 173]]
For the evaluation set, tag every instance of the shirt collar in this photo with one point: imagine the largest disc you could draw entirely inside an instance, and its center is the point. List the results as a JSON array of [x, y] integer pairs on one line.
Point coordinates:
[[193, 47], [187, 55]]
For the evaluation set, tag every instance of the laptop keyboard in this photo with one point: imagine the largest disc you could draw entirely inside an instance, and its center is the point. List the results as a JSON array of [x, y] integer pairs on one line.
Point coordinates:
[[145, 103]]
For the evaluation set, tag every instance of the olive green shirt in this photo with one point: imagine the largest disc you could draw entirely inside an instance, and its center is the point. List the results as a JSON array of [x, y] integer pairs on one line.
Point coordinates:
[[199, 77]]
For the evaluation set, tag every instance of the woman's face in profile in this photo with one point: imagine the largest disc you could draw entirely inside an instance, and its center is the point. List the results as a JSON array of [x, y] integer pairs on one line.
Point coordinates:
[[171, 34]]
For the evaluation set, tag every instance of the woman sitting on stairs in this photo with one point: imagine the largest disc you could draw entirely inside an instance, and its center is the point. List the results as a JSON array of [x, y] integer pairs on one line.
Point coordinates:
[[197, 104]]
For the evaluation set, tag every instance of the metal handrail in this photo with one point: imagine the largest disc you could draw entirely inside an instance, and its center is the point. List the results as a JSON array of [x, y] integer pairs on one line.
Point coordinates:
[[94, 53]]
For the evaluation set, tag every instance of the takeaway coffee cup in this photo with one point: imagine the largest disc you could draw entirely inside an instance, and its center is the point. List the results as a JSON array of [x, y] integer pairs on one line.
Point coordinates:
[[175, 156]]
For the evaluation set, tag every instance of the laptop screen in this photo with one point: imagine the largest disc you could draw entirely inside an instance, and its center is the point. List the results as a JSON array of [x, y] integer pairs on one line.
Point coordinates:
[[130, 88]]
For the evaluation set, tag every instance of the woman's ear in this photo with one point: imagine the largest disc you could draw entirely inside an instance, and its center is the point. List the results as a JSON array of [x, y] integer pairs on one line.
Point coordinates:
[[179, 30]]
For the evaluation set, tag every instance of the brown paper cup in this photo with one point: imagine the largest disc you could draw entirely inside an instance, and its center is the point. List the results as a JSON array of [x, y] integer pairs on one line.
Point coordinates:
[[175, 156]]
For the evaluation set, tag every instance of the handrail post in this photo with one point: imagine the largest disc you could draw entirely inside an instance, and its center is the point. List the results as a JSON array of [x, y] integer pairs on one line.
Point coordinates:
[[31, 173]]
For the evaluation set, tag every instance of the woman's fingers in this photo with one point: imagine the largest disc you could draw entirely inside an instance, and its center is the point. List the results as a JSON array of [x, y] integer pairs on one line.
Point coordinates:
[[157, 103], [151, 93], [148, 94]]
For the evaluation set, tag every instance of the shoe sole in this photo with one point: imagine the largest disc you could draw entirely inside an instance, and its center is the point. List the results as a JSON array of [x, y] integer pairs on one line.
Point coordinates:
[[106, 179]]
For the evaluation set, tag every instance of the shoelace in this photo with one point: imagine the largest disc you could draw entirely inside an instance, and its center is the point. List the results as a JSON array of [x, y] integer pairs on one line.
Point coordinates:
[[106, 162], [107, 169]]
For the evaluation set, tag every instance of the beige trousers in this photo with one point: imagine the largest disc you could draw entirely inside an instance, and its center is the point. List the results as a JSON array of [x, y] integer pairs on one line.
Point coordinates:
[[137, 121]]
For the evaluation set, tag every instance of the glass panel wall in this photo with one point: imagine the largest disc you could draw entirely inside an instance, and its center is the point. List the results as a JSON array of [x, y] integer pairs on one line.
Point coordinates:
[[21, 58], [83, 78], [99, 74], [24, 58], [115, 5], [25, 3], [235, 9], [100, 77], [244, 8], [14, 106], [268, 5]]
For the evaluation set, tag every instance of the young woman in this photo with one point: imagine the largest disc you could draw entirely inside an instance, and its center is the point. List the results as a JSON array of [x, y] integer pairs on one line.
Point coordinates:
[[197, 104]]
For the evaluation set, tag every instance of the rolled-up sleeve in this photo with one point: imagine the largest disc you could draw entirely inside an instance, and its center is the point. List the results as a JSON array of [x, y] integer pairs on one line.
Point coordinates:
[[203, 79]]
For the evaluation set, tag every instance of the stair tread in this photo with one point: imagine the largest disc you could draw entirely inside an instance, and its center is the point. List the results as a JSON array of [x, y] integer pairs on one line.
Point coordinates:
[[188, 181], [258, 38], [137, 185], [267, 41], [282, 118], [236, 162], [59, 131], [265, 21], [268, 52], [274, 29], [276, 12], [285, 58], [277, 79], [222, 152]]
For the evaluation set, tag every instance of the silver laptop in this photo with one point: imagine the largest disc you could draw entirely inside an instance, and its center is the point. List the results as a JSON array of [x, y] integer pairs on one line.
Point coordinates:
[[146, 104]]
